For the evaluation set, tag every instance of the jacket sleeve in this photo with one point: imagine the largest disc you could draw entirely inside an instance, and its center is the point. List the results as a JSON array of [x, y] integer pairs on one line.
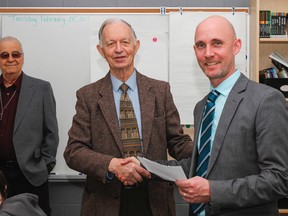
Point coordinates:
[[179, 144]]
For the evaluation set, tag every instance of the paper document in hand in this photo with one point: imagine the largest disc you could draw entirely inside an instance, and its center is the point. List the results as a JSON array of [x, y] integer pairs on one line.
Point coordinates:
[[170, 173]]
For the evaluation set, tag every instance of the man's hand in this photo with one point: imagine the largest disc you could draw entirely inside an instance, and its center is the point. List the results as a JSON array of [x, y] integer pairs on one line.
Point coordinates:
[[130, 160], [1, 199], [194, 190], [50, 167], [128, 170]]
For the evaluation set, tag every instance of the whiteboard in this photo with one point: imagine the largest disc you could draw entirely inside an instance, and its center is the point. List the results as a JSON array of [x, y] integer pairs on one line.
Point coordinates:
[[188, 82], [61, 48]]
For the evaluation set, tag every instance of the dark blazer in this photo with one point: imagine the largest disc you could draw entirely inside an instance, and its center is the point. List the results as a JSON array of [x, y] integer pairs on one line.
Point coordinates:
[[35, 135], [94, 139], [248, 167]]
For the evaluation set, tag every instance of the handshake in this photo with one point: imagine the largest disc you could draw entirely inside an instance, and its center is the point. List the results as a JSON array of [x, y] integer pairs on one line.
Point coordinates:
[[128, 170]]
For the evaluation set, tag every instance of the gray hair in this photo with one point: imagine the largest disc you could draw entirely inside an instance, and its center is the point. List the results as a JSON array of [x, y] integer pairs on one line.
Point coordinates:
[[115, 20], [10, 38]]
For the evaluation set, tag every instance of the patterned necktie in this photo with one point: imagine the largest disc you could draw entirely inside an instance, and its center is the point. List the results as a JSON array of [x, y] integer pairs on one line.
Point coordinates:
[[205, 142], [129, 128]]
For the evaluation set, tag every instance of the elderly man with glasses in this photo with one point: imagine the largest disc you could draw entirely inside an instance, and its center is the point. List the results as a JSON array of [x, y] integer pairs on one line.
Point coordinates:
[[28, 126]]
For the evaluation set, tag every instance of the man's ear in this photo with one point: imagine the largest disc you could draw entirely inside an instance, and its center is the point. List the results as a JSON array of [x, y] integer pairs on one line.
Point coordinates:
[[237, 46], [137, 46], [100, 50]]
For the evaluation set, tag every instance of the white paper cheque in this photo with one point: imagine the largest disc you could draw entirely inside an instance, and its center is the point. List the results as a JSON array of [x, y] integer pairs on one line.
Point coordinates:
[[170, 173]]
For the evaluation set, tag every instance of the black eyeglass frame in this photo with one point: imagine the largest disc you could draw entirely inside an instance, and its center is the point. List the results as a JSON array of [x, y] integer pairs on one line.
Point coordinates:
[[14, 54]]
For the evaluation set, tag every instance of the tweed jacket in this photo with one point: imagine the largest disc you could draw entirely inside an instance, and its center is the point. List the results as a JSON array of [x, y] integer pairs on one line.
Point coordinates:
[[94, 139]]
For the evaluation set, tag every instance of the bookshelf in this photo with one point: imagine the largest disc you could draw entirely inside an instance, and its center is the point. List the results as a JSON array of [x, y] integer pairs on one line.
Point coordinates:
[[260, 48]]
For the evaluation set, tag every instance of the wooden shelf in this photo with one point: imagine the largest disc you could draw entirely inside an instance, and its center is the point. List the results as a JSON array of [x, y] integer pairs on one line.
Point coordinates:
[[273, 40], [261, 48]]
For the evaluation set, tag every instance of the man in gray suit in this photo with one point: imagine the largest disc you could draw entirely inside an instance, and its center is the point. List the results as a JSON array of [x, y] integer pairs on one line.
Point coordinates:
[[248, 166], [28, 126], [95, 148], [247, 170]]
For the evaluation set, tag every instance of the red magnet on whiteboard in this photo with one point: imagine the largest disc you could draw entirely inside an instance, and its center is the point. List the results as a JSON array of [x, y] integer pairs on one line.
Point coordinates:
[[154, 39]]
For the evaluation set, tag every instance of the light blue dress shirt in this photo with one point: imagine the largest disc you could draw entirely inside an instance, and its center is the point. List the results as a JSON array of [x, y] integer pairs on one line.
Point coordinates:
[[224, 89], [132, 93]]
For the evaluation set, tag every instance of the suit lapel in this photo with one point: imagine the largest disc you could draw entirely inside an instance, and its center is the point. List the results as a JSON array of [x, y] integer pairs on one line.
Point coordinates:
[[147, 104], [26, 94], [229, 110], [109, 109]]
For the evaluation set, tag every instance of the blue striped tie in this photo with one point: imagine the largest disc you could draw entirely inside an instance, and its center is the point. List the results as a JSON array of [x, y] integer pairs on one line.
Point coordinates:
[[205, 143]]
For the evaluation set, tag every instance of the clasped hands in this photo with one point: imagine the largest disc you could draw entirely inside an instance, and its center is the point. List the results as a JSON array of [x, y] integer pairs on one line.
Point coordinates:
[[128, 170]]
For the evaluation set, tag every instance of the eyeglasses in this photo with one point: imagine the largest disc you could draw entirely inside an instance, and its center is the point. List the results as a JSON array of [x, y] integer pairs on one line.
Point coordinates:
[[14, 54]]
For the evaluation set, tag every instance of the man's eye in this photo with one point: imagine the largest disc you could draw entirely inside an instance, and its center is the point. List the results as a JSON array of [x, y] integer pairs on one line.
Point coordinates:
[[217, 43], [110, 44], [200, 46], [125, 42]]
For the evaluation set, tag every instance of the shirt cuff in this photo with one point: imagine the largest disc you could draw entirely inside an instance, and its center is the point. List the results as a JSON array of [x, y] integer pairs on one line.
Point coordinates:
[[109, 176]]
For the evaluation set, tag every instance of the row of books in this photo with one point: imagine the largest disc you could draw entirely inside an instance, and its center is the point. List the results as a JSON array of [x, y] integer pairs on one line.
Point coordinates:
[[279, 71], [273, 24]]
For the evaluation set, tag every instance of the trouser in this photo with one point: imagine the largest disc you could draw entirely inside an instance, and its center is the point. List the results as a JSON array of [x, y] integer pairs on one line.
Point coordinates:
[[17, 184], [135, 201]]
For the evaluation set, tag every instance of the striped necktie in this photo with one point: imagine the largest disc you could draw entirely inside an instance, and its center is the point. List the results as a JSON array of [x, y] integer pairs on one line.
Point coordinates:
[[205, 142], [129, 128]]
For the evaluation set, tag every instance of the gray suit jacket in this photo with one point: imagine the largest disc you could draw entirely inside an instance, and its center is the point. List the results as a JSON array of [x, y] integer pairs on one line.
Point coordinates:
[[94, 139], [248, 167], [21, 205], [35, 136]]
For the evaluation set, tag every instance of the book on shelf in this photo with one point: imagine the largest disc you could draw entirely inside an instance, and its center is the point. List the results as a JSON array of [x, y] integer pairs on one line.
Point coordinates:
[[273, 24], [278, 25], [279, 61], [267, 73], [264, 21]]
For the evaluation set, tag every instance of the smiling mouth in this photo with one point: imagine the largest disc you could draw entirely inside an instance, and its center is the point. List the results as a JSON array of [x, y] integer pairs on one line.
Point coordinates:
[[211, 63], [119, 57]]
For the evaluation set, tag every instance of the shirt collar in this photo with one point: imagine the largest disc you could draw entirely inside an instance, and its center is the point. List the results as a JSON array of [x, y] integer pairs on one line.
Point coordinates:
[[17, 83], [131, 82], [225, 87]]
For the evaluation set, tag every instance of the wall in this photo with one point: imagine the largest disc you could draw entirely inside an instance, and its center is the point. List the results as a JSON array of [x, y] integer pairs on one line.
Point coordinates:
[[124, 3], [66, 196], [57, 58]]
